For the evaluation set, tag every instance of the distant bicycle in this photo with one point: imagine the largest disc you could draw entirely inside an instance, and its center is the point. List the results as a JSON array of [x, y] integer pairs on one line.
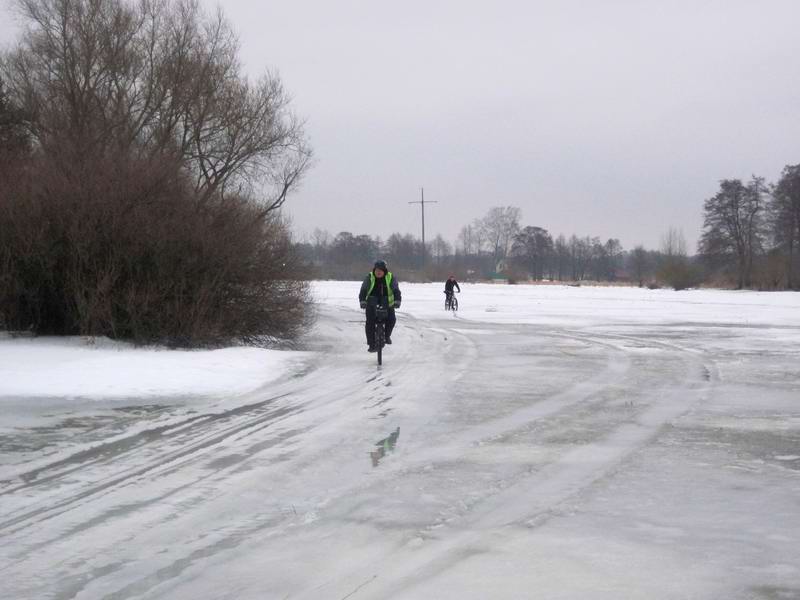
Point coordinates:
[[450, 301]]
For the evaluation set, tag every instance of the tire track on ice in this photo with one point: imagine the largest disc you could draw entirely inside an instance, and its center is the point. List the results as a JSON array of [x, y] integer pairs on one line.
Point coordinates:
[[533, 499]]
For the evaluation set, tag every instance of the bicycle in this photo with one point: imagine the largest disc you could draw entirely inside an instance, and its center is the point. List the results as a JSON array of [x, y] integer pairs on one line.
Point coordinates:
[[381, 315], [450, 301]]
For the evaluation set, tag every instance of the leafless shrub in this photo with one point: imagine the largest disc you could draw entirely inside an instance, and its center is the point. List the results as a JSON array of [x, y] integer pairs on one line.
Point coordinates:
[[142, 258], [147, 207], [675, 269]]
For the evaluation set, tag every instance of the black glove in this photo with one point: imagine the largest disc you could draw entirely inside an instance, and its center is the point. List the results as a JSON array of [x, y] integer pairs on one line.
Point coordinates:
[[396, 305], [363, 303]]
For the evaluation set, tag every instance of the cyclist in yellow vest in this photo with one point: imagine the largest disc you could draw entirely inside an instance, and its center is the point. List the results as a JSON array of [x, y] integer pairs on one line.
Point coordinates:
[[379, 287]]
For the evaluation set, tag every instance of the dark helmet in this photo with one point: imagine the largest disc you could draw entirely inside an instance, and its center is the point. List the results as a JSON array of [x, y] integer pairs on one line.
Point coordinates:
[[380, 264]]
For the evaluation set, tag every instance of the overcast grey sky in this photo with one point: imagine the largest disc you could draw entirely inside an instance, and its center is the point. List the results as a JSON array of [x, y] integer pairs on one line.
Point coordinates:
[[608, 118]]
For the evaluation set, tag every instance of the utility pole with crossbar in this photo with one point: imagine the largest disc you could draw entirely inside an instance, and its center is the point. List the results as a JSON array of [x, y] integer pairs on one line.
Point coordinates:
[[421, 202]]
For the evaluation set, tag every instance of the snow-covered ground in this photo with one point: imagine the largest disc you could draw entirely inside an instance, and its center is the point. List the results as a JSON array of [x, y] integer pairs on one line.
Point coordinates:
[[100, 369], [553, 442]]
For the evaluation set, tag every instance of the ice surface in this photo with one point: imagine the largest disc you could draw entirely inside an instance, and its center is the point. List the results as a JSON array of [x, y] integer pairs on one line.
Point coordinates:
[[553, 442]]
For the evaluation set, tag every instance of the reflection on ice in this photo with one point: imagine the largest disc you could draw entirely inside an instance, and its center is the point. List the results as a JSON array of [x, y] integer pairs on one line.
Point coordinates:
[[385, 445]]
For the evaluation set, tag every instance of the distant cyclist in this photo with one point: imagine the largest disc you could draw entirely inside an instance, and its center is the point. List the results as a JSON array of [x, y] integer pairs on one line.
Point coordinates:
[[449, 285], [379, 287]]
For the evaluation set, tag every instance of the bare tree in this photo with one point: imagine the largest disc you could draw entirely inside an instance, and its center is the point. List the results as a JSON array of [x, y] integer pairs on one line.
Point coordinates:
[[598, 259], [479, 238], [562, 257], [675, 269], [14, 137], [534, 246], [673, 244], [580, 252], [321, 241], [155, 78], [499, 227], [404, 250], [639, 261], [465, 240], [440, 248], [613, 254], [733, 226], [472, 238], [356, 250], [785, 218]]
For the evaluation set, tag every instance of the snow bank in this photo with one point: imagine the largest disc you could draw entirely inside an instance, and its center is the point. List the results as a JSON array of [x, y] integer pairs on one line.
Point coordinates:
[[74, 368]]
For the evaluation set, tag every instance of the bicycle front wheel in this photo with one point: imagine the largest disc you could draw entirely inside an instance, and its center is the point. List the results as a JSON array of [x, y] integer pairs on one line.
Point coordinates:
[[379, 341]]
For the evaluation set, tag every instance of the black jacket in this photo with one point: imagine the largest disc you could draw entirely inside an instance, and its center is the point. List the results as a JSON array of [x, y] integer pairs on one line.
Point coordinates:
[[448, 286]]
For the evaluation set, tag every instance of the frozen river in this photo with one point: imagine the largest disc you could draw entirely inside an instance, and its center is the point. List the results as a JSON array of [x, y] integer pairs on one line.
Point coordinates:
[[545, 442]]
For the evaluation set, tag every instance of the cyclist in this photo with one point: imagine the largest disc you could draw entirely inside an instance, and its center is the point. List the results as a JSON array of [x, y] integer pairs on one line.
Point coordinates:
[[449, 285], [379, 287]]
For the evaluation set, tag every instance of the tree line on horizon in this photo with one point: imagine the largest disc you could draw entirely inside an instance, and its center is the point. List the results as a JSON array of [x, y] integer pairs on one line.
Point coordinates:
[[494, 246], [750, 239]]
